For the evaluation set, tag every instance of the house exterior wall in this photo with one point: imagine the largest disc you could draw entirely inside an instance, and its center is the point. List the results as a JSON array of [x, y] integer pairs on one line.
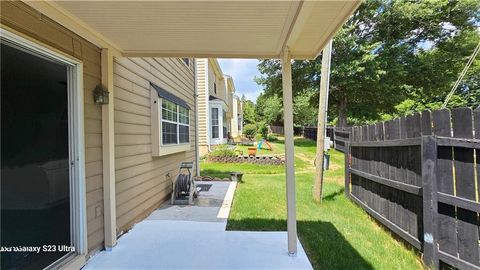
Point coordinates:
[[229, 91], [209, 74], [203, 81], [22, 18], [215, 75], [234, 120], [237, 118], [142, 181]]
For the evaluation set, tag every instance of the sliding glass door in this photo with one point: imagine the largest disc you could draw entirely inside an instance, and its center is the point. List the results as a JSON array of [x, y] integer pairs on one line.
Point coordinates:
[[36, 227]]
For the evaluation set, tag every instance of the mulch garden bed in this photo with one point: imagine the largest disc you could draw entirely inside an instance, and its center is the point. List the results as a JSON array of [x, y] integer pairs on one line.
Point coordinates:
[[260, 159]]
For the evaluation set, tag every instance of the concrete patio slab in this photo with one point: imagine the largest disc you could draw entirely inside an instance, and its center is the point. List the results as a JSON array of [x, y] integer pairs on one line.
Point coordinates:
[[206, 208], [194, 237]]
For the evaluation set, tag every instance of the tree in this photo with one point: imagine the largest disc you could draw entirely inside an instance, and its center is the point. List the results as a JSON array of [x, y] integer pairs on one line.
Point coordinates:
[[248, 111], [304, 114], [390, 52], [269, 109]]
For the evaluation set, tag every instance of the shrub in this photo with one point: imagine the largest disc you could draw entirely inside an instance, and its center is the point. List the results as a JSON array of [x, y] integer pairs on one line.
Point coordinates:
[[258, 137], [249, 131], [263, 129], [223, 151], [272, 138]]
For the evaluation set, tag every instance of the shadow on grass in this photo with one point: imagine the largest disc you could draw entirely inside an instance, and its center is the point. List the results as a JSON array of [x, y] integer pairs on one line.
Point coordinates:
[[332, 196], [216, 173], [325, 246]]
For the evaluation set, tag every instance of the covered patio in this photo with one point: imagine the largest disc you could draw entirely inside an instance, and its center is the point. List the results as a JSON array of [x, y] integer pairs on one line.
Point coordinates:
[[283, 30], [194, 237]]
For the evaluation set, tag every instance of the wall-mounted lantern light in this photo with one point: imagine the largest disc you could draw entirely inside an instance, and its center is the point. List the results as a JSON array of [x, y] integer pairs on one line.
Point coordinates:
[[100, 95]]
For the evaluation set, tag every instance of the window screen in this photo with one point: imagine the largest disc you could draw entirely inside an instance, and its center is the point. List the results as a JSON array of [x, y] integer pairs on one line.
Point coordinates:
[[175, 123]]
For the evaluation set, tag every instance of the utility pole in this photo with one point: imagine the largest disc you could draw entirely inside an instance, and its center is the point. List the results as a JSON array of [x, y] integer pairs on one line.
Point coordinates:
[[322, 113]]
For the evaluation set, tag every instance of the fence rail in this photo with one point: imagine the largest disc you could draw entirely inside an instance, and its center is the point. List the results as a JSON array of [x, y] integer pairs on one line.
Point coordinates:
[[419, 176], [297, 131], [339, 136]]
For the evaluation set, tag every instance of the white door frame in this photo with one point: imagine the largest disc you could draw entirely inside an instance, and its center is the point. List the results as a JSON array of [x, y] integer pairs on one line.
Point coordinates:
[[78, 216]]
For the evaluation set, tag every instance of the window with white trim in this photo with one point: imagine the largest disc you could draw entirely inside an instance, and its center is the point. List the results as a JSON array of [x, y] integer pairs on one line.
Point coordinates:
[[215, 123], [175, 123]]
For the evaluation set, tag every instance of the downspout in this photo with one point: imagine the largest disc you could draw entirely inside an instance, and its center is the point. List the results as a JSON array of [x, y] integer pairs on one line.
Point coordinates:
[[197, 152]]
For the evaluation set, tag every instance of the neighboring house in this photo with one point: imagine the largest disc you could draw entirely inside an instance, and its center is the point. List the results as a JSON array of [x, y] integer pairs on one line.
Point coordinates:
[[237, 119], [215, 104]]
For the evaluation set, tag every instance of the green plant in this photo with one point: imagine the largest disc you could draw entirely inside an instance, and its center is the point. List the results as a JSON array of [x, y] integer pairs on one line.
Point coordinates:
[[258, 137], [223, 151], [249, 131], [272, 138], [263, 130]]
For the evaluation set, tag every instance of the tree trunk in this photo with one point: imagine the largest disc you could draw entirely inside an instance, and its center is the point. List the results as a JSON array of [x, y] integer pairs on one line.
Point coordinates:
[[342, 113]]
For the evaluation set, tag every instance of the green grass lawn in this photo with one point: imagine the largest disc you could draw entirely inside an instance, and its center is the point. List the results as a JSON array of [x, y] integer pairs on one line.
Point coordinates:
[[336, 234], [277, 148], [213, 169]]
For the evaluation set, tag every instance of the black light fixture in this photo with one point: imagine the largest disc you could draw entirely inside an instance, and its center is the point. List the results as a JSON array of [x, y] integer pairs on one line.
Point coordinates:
[[100, 95]]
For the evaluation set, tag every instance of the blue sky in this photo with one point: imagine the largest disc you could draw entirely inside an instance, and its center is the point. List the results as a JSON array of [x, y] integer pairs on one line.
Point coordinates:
[[243, 71]]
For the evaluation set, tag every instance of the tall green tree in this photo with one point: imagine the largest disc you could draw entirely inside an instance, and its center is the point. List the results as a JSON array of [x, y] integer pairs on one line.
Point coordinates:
[[388, 54], [269, 109], [248, 111], [304, 114]]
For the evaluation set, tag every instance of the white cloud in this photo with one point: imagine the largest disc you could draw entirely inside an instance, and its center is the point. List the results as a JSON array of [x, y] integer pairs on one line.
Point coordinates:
[[243, 71]]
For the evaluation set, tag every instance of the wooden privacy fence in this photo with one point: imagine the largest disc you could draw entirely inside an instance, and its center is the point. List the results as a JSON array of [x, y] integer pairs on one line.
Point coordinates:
[[310, 133], [330, 132], [419, 176], [297, 131], [339, 136], [277, 130]]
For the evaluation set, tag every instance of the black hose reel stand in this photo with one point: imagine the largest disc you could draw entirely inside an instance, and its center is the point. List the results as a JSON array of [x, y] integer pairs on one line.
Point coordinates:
[[184, 188]]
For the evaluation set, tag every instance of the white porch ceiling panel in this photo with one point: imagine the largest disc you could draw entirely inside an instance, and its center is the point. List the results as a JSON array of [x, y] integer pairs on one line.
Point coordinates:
[[242, 29]]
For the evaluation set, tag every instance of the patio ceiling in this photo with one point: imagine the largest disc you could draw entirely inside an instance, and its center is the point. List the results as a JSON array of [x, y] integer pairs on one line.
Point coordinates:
[[240, 29]]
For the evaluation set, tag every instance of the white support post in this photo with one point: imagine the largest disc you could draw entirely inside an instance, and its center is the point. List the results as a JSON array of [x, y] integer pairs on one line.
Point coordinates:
[[322, 119], [289, 151], [197, 148], [108, 149]]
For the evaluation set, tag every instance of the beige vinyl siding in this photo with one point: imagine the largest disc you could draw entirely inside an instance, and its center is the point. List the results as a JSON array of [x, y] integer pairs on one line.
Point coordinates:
[[230, 102], [202, 82], [142, 183], [212, 79], [221, 85], [234, 119], [24, 19]]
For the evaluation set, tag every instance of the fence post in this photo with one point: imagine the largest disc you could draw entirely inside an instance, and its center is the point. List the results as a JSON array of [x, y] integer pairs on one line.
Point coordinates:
[[430, 202], [347, 169]]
